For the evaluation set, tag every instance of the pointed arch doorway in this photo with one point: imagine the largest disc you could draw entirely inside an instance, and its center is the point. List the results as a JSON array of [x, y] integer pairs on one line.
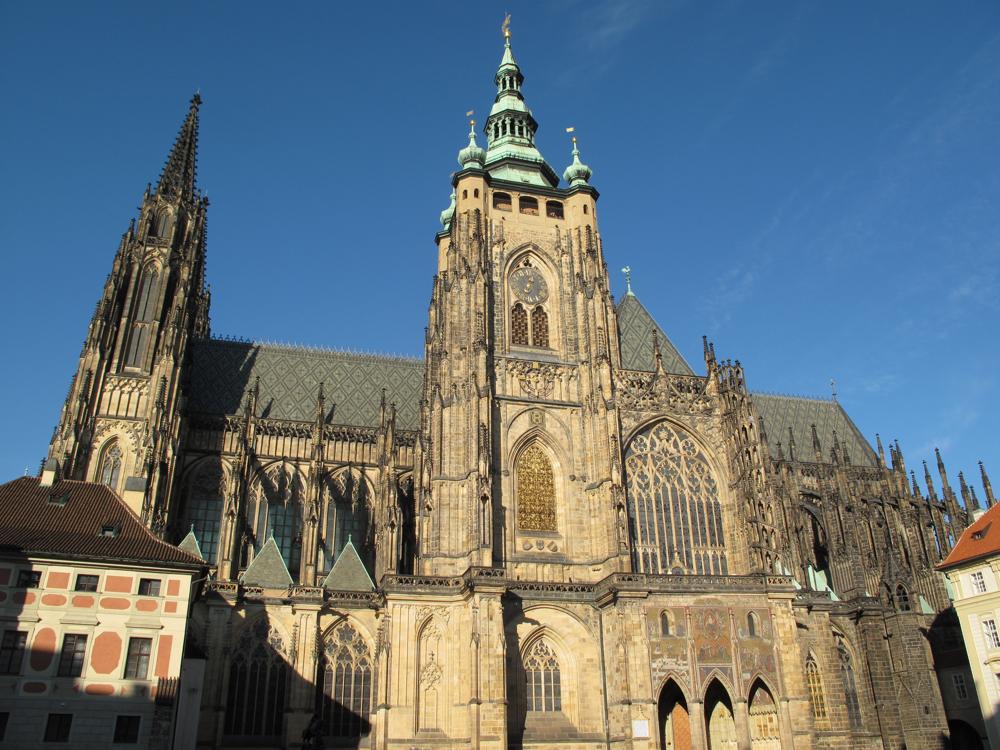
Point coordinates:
[[674, 722], [720, 725]]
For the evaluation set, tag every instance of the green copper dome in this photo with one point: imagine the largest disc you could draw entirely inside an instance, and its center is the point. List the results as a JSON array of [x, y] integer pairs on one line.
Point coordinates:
[[472, 155], [577, 173], [449, 212]]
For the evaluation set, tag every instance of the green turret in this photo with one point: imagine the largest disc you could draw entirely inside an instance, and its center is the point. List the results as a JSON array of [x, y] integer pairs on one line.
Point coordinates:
[[510, 129]]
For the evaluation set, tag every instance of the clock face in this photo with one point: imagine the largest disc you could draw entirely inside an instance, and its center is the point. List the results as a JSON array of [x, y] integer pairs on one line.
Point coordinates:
[[529, 285]]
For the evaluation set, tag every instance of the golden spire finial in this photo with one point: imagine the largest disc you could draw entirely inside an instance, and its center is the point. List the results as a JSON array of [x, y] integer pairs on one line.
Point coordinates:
[[505, 27], [572, 131], [470, 113]]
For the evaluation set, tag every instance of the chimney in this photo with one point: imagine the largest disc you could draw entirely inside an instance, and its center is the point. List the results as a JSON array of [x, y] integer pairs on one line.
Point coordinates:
[[135, 494], [50, 473]]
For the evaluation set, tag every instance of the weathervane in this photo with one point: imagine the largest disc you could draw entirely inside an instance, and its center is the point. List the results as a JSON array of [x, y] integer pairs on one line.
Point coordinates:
[[833, 388], [505, 27], [470, 113], [572, 131], [628, 279]]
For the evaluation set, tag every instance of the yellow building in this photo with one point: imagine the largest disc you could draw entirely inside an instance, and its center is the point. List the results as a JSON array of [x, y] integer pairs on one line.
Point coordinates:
[[973, 569], [93, 613]]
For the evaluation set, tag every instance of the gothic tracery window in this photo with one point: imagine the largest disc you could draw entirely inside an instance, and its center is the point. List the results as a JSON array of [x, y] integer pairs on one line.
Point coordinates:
[[817, 702], [257, 682], [902, 598], [346, 680], [348, 508], [275, 507], [675, 516], [536, 493], [144, 313], [544, 682], [110, 466], [204, 507]]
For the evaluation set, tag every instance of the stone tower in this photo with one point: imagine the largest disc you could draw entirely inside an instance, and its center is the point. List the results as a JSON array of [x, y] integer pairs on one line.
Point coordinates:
[[120, 424], [520, 345]]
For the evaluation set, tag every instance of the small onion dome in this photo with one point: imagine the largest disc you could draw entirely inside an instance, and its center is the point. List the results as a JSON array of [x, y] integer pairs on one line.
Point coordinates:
[[472, 155], [577, 173], [449, 212]]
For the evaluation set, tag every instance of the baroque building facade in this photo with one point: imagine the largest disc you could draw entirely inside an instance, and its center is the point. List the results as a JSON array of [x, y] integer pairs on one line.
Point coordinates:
[[548, 531]]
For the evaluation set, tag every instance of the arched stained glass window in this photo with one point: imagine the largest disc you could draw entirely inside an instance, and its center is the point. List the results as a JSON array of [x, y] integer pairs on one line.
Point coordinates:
[[536, 492], [348, 512], [204, 507], [346, 684], [817, 703], [539, 327], [675, 516], [850, 685], [519, 325], [544, 683], [110, 467], [257, 683], [275, 506]]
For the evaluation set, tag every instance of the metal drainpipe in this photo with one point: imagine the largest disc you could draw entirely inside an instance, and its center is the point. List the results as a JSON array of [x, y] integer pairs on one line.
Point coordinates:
[[604, 680]]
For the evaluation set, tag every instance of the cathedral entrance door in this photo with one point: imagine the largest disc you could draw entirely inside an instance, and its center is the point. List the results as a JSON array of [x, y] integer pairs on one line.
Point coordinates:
[[675, 727], [719, 721]]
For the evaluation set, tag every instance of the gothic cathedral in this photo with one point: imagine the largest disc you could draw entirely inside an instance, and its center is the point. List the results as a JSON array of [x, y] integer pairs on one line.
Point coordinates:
[[550, 531]]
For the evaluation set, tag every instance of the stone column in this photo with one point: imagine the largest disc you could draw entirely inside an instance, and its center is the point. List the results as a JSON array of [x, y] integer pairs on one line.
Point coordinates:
[[697, 718], [742, 717]]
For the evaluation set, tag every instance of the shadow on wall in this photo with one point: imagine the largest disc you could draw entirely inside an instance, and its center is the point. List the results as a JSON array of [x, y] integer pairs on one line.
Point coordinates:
[[260, 690], [965, 721]]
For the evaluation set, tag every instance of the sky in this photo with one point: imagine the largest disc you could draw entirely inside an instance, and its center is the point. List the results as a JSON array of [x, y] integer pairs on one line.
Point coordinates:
[[812, 185]]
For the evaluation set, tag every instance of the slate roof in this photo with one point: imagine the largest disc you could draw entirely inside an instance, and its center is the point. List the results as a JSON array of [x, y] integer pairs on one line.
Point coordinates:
[[348, 573], [980, 539], [783, 412], [32, 525], [223, 372], [267, 568], [635, 339]]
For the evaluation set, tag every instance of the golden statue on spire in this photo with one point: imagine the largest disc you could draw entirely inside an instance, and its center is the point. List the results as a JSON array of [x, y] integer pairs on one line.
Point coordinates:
[[505, 27]]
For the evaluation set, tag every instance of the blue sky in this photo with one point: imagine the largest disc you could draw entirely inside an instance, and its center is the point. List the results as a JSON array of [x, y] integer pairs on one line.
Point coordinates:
[[815, 186]]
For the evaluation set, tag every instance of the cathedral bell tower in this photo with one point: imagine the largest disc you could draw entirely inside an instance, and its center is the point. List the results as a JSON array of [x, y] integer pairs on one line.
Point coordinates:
[[520, 456], [120, 424]]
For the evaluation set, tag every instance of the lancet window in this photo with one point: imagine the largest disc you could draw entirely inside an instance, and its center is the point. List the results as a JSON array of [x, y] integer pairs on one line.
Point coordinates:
[[850, 684], [348, 513], [544, 680], [902, 598], [110, 467], [204, 507], [539, 327], [275, 507], [536, 492], [346, 684], [144, 313], [257, 683], [519, 325], [675, 515], [817, 702]]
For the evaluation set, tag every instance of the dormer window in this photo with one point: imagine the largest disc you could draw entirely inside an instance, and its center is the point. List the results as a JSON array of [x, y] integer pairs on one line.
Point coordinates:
[[59, 499], [111, 530]]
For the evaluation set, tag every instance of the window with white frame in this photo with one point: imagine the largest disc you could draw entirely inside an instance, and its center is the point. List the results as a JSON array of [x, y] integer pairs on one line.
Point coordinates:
[[961, 690], [990, 632], [978, 583]]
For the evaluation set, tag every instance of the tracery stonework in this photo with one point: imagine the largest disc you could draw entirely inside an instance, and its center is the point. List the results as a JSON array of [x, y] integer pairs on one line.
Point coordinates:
[[536, 493]]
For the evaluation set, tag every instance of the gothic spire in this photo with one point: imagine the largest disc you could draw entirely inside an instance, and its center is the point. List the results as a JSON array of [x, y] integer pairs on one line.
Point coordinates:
[[931, 492], [178, 177], [987, 487]]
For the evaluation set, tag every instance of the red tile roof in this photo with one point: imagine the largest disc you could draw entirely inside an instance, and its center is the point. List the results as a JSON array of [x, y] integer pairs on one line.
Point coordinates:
[[980, 539], [35, 521]]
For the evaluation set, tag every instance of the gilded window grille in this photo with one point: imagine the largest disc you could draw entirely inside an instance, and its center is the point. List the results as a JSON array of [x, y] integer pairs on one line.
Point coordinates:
[[675, 515], [536, 491], [539, 327], [519, 325]]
